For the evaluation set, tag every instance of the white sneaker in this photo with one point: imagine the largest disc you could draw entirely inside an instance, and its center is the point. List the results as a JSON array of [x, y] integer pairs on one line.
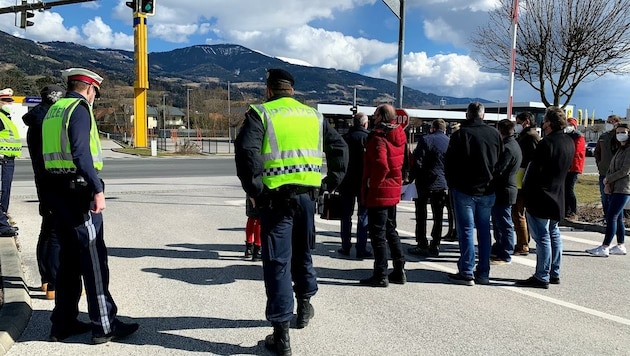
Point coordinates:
[[599, 251], [618, 250]]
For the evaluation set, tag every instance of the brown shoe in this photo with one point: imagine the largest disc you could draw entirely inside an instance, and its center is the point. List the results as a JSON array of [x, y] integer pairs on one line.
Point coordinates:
[[521, 251]]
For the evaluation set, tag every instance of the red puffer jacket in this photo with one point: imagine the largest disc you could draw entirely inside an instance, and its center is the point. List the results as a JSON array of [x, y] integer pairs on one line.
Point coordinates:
[[579, 157], [382, 166]]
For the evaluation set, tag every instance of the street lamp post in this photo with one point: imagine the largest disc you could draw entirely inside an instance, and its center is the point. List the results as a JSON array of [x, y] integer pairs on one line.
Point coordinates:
[[188, 112], [164, 95]]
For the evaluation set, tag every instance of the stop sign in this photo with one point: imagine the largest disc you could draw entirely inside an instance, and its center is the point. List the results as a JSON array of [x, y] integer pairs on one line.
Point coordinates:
[[402, 118]]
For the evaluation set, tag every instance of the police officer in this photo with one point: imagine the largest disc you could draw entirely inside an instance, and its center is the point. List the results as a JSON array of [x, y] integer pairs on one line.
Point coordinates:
[[72, 154], [10, 148], [279, 161], [47, 244]]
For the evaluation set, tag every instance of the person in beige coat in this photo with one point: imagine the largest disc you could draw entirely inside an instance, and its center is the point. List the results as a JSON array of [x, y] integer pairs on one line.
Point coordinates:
[[617, 183]]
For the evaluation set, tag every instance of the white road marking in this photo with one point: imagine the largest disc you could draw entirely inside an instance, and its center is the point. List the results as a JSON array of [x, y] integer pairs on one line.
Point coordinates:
[[520, 260]]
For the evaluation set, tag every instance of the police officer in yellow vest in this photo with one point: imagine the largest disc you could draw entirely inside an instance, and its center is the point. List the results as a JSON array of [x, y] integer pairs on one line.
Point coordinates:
[[72, 154], [279, 161], [10, 148]]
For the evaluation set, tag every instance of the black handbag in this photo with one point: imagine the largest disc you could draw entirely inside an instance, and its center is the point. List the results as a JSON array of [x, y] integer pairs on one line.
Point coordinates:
[[329, 206]]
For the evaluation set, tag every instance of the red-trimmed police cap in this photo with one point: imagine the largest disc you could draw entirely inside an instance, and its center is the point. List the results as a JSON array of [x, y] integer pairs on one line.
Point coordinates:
[[82, 75], [6, 95], [277, 75]]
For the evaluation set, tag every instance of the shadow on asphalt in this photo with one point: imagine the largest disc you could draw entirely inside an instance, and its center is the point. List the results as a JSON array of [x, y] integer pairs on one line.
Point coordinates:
[[161, 331]]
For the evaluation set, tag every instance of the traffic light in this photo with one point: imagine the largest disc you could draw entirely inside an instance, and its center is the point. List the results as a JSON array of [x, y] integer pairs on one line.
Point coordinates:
[[132, 5], [147, 7], [24, 22]]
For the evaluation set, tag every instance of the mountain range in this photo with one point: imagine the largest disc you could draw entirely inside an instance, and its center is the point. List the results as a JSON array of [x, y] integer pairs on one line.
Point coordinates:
[[206, 65]]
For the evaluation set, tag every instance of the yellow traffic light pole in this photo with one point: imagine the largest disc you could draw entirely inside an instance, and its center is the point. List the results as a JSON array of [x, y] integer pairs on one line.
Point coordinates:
[[141, 84]]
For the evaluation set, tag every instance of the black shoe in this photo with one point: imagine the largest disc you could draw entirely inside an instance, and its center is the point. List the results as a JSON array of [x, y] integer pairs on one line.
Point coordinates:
[[398, 276], [279, 342], [119, 331], [256, 254], [248, 250], [459, 279], [418, 251], [533, 282], [365, 255], [481, 280], [10, 232], [343, 251], [62, 333], [450, 237], [554, 280], [305, 312], [375, 282]]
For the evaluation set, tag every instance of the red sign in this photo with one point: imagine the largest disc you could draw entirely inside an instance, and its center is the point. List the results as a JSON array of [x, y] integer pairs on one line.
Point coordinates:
[[402, 118]]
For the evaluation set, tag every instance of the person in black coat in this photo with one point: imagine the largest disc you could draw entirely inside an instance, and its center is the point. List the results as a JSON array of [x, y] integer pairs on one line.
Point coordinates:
[[350, 190], [428, 172], [506, 190], [543, 191], [48, 243]]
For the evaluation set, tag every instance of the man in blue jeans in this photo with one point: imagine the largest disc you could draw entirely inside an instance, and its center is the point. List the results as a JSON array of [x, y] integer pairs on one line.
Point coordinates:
[[471, 165], [543, 191], [350, 190]]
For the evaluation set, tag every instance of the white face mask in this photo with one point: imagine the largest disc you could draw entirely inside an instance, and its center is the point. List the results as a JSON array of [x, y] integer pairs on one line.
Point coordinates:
[[518, 128], [622, 137], [569, 129], [609, 127]]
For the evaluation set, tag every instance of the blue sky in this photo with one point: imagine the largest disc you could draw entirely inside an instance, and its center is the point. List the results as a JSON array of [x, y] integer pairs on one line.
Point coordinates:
[[355, 35]]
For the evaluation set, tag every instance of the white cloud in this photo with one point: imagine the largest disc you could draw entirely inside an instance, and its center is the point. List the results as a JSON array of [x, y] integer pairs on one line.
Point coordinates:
[[440, 31], [319, 47], [445, 74], [100, 35]]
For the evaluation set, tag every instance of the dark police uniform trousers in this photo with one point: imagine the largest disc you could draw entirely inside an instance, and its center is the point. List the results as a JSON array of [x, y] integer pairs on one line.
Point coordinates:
[[8, 167], [287, 234], [83, 253]]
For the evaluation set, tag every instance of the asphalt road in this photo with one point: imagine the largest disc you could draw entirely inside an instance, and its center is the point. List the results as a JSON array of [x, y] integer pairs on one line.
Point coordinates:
[[175, 249]]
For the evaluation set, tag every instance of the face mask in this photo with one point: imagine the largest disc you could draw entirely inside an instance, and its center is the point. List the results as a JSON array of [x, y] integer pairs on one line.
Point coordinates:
[[569, 129], [622, 137], [518, 128], [609, 127]]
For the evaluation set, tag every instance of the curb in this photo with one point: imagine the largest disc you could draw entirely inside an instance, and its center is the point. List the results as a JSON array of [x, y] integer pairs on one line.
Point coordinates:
[[16, 311]]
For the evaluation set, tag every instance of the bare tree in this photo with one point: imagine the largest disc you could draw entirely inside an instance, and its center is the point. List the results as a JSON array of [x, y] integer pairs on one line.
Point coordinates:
[[560, 43]]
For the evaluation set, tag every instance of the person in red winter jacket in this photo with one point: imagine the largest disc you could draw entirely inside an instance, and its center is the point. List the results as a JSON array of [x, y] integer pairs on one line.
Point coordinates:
[[577, 167], [380, 191]]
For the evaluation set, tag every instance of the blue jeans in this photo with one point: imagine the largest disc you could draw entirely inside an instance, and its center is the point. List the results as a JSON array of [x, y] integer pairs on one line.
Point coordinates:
[[503, 231], [347, 209], [614, 218], [605, 197], [470, 212], [548, 247]]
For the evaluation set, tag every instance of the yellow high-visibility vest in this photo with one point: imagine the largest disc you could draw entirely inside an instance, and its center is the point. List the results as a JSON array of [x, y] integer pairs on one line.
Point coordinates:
[[292, 147]]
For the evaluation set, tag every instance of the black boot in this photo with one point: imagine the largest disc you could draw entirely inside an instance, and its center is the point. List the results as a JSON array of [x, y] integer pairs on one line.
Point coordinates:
[[279, 342], [248, 249], [398, 276], [305, 312], [256, 255]]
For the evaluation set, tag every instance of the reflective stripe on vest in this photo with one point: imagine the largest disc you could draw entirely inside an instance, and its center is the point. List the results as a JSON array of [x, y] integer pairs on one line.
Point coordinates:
[[10, 143], [55, 143], [292, 147]]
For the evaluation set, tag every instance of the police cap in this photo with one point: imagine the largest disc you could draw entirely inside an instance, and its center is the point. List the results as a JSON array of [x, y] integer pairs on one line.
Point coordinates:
[[279, 76]]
